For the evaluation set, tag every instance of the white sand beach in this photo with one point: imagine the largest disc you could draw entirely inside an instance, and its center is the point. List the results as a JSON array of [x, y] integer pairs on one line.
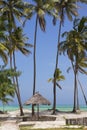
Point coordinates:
[[9, 125], [60, 119]]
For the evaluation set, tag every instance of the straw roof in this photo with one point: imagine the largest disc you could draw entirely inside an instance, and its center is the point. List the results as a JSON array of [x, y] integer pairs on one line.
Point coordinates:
[[37, 99]]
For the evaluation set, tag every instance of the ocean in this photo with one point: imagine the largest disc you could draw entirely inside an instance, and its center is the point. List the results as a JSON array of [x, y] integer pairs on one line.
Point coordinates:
[[42, 107]]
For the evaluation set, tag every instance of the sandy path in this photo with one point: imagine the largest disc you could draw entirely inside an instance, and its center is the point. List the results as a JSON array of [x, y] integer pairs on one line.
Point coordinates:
[[9, 125]]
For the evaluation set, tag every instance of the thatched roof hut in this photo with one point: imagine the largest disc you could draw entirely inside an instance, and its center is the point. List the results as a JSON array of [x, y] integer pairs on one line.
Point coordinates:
[[37, 99]]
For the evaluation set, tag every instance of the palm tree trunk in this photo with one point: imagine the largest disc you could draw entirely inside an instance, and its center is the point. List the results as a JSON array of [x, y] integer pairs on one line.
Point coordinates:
[[54, 100], [35, 35], [34, 82], [77, 100], [17, 88], [10, 61], [21, 113], [56, 66], [75, 95]]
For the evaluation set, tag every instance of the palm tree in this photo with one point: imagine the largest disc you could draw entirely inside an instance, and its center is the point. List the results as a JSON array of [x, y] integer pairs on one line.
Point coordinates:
[[59, 77], [18, 39], [63, 7], [40, 8], [13, 10], [6, 86], [10, 7], [19, 44], [68, 8], [75, 47]]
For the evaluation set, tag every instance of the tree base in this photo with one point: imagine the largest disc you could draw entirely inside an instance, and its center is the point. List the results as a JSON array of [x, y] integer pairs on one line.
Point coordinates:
[[77, 111], [54, 112]]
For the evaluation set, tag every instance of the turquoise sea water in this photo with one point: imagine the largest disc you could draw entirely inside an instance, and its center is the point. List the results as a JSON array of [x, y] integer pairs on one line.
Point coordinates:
[[43, 107]]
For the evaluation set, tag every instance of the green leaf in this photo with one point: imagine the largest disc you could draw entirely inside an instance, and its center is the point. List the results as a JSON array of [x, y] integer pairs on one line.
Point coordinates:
[[49, 80]]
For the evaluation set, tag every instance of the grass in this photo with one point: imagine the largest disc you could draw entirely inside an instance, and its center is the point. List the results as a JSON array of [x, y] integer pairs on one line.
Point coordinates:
[[25, 127], [30, 128]]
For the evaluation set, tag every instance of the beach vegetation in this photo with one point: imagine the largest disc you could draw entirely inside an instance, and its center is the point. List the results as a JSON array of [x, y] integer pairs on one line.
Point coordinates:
[[40, 8], [7, 88], [69, 9], [13, 15], [3, 48], [74, 46], [37, 9], [28, 128], [9, 9], [59, 77], [12, 11]]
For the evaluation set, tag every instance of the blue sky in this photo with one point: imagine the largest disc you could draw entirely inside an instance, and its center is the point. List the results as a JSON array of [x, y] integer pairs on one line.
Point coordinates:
[[45, 55]]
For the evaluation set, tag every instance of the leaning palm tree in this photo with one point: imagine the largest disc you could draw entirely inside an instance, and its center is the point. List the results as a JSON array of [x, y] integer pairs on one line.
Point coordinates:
[[75, 47], [19, 40], [13, 10], [19, 44]]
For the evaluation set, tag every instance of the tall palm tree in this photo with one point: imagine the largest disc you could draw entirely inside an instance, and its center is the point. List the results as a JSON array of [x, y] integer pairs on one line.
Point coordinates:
[[13, 10], [18, 39], [38, 8], [63, 8], [70, 9], [75, 47]]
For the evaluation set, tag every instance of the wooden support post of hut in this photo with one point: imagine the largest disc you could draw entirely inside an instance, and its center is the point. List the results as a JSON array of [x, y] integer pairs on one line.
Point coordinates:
[[38, 111]]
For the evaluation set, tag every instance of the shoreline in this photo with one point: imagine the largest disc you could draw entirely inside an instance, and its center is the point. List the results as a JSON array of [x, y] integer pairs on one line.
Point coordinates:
[[43, 107]]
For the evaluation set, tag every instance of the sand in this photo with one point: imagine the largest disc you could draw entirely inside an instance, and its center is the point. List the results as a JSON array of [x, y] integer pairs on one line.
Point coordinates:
[[60, 121], [12, 124], [9, 125]]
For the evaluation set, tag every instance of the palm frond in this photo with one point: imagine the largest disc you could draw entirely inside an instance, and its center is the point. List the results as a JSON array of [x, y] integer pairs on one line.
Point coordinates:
[[58, 86], [81, 70], [42, 23], [68, 69], [49, 80], [82, 23]]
